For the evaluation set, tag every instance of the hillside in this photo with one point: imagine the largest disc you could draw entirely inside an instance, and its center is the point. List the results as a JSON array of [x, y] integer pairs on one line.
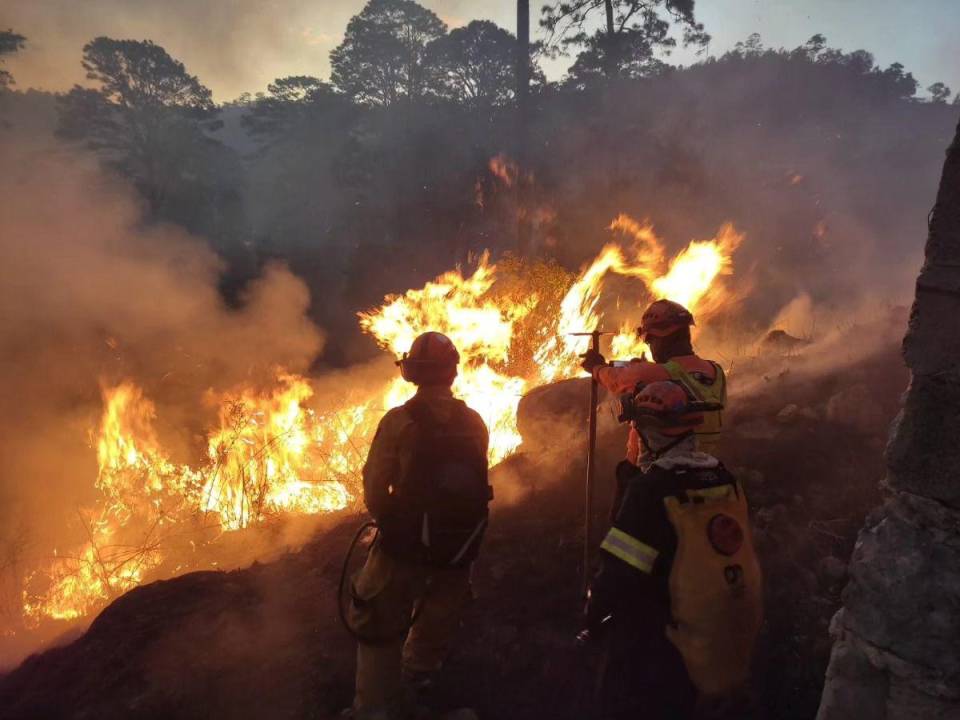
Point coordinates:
[[266, 641]]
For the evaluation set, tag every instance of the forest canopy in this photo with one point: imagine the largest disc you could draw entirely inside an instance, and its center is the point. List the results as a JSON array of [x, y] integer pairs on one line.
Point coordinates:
[[394, 153]]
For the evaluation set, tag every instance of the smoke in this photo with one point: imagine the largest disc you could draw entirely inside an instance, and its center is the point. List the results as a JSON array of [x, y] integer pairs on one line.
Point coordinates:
[[830, 182], [92, 296]]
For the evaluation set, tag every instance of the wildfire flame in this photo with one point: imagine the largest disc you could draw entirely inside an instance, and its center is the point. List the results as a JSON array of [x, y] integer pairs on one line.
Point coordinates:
[[273, 453]]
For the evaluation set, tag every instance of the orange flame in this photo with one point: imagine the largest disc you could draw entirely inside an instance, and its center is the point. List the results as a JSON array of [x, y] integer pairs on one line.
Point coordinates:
[[273, 453]]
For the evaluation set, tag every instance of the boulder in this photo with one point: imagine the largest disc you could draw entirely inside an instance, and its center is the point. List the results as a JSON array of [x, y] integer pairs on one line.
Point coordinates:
[[789, 414], [759, 429], [780, 342], [857, 409], [896, 654], [833, 569], [552, 416]]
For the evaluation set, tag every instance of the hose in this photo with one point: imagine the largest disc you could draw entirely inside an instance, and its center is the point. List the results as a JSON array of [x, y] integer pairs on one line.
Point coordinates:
[[359, 637]]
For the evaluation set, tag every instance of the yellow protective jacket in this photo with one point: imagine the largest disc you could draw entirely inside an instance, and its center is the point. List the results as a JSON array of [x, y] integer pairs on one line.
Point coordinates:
[[391, 451], [703, 379]]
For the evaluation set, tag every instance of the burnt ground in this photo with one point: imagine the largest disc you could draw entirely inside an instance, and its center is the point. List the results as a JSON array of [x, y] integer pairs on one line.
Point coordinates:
[[265, 641]]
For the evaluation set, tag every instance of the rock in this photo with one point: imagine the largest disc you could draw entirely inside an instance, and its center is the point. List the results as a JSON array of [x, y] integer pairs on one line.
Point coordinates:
[[780, 342], [789, 414], [833, 569], [808, 580], [857, 408], [809, 413], [462, 714], [896, 654], [554, 415], [503, 635], [756, 430], [498, 570]]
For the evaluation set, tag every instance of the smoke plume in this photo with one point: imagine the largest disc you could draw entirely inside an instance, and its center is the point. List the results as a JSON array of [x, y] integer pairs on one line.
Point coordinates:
[[92, 296]]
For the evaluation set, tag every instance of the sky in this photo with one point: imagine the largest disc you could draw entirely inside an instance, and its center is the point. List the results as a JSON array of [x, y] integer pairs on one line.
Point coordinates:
[[237, 46]]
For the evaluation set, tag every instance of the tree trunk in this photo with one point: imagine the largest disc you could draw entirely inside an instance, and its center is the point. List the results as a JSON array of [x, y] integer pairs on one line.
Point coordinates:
[[523, 121], [896, 653], [611, 61]]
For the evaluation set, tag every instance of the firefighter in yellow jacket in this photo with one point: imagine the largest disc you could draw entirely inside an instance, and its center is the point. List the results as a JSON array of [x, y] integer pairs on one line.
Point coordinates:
[[665, 327], [678, 598], [425, 483]]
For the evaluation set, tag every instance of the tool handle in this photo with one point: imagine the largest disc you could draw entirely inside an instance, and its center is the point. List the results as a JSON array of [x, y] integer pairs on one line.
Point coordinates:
[[591, 459]]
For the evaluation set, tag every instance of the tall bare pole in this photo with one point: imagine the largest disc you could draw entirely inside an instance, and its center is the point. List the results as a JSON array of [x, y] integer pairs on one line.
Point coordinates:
[[610, 57], [588, 511], [523, 121], [591, 465]]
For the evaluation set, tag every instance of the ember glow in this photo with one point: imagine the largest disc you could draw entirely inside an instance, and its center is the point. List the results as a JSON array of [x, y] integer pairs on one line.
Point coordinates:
[[274, 453]]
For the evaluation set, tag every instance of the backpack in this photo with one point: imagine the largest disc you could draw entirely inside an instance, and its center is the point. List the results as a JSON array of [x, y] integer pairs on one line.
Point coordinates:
[[441, 504], [716, 587]]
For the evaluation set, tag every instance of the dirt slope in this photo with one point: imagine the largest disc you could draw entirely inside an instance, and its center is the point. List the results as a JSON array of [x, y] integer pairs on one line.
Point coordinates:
[[265, 641]]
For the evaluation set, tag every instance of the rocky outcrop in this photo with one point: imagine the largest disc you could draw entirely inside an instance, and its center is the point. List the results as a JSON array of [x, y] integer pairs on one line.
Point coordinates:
[[896, 653]]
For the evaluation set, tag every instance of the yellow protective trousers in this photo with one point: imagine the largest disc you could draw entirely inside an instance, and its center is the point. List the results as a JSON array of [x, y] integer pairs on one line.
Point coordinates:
[[386, 594]]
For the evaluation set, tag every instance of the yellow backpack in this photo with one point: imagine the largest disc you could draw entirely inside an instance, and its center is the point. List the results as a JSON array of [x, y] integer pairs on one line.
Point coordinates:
[[716, 588], [708, 434]]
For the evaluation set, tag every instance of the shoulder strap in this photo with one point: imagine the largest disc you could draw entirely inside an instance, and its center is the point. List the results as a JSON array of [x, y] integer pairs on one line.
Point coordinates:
[[721, 379], [717, 392], [679, 375]]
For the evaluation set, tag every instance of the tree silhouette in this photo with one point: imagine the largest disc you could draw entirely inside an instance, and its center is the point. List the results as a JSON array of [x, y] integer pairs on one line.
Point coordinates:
[[287, 100], [10, 42], [634, 31], [939, 93], [892, 82], [897, 82], [753, 45], [476, 64], [148, 118], [383, 56], [635, 55], [142, 91]]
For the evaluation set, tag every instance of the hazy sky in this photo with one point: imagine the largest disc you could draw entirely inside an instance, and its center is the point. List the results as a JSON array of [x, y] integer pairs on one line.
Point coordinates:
[[241, 45]]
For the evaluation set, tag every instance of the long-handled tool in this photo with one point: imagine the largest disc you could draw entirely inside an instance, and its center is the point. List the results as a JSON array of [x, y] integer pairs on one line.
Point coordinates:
[[591, 459]]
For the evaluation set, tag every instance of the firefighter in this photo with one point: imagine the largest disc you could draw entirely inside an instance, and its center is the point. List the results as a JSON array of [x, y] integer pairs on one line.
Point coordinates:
[[677, 598], [665, 327], [425, 484]]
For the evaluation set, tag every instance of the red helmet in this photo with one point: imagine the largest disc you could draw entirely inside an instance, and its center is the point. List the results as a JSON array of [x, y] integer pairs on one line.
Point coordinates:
[[664, 317], [666, 406], [432, 360]]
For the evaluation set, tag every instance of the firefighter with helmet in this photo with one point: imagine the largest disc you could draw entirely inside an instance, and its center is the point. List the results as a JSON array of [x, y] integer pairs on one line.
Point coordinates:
[[677, 600], [665, 327], [425, 484]]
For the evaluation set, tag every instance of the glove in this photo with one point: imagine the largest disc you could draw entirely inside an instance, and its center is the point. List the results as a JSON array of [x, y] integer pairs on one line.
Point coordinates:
[[592, 359]]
